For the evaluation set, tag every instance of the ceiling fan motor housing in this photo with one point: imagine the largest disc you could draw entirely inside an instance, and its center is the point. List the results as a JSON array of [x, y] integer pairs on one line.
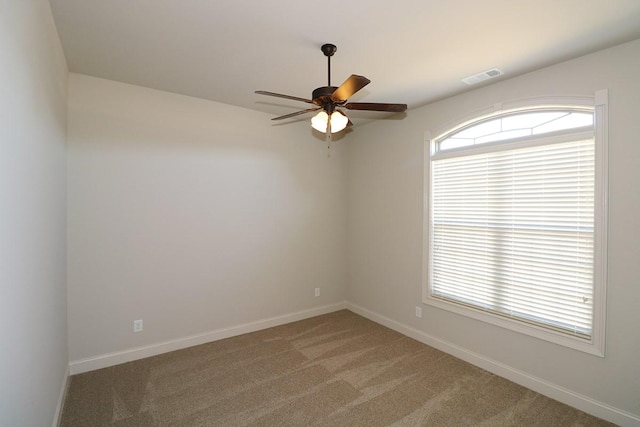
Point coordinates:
[[322, 97]]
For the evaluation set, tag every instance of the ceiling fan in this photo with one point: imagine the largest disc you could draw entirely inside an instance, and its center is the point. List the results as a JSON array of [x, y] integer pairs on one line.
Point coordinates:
[[329, 98]]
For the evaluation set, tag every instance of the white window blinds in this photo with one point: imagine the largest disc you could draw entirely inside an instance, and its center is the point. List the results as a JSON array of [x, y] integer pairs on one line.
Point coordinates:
[[512, 231]]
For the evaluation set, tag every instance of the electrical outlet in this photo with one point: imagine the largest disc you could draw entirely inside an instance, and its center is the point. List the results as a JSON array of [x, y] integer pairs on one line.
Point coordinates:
[[317, 292], [418, 311], [137, 325]]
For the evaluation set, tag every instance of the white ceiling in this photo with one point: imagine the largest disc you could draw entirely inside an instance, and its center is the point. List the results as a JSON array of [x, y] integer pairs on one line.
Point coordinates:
[[413, 51]]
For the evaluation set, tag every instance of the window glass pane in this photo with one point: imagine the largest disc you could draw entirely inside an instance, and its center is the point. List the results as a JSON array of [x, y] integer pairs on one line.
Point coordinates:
[[529, 120], [482, 129], [451, 143], [515, 126], [501, 136], [570, 121]]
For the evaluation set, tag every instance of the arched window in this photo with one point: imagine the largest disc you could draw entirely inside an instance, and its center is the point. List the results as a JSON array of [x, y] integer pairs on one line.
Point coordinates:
[[516, 222]]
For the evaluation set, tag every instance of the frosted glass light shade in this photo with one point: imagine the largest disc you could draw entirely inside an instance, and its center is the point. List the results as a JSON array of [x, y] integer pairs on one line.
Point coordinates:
[[319, 121], [338, 121]]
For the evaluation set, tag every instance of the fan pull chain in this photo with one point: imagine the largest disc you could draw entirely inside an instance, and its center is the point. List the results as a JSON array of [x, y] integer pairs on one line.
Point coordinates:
[[328, 142]]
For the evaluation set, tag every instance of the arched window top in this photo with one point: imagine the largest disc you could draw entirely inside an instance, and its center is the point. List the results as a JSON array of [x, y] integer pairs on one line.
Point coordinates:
[[515, 125]]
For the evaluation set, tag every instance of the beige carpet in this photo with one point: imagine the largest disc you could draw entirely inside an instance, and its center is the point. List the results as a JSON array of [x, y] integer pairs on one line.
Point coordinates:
[[333, 370]]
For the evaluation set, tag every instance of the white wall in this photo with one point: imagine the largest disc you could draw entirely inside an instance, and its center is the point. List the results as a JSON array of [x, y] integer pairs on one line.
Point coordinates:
[[194, 216], [385, 230], [33, 323]]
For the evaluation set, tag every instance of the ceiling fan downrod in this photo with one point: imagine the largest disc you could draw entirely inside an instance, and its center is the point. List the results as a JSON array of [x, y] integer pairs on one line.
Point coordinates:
[[328, 49]]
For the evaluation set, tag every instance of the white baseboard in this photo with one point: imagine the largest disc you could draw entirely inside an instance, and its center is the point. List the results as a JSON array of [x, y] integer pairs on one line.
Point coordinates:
[[61, 398], [111, 359], [561, 394]]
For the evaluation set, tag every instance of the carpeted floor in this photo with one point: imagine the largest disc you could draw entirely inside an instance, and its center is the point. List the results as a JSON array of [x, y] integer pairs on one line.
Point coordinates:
[[338, 369]]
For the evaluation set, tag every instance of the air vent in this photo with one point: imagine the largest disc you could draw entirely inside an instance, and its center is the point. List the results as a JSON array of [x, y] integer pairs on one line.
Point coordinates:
[[480, 77]]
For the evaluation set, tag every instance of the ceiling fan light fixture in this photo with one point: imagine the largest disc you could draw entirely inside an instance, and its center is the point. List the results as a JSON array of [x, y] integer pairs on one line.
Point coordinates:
[[338, 121]]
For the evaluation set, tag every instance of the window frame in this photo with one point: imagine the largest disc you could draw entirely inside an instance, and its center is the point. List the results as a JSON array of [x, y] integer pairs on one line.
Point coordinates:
[[598, 104]]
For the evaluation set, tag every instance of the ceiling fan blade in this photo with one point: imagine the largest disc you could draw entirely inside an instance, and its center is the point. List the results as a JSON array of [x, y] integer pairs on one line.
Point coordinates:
[[279, 95], [349, 87], [376, 106], [297, 113]]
